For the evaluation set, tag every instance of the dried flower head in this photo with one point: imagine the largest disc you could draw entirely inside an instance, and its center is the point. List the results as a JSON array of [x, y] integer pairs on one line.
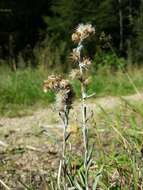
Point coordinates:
[[105, 40], [75, 74], [80, 28], [52, 83], [102, 36], [82, 32], [90, 29], [86, 62], [64, 91], [75, 56], [64, 84], [76, 37]]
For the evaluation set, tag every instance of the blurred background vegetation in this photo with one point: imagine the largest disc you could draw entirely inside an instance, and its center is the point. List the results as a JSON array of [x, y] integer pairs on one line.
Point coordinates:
[[38, 32], [35, 39]]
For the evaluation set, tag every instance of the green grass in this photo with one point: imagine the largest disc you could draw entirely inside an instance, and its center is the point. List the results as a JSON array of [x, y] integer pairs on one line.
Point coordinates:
[[116, 83], [117, 155], [22, 90], [118, 147], [107, 82], [117, 133]]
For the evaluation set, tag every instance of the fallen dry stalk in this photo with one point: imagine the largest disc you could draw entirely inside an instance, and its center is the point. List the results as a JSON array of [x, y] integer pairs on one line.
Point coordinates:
[[4, 185]]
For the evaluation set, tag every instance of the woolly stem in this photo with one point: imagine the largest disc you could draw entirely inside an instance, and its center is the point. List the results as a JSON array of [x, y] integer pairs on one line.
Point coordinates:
[[85, 133], [63, 165], [84, 126]]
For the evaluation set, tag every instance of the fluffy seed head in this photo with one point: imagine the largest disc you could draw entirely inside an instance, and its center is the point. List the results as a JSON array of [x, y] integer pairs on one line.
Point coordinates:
[[82, 32], [76, 37], [86, 62], [64, 84], [75, 56], [90, 29], [75, 74], [52, 83], [63, 89]]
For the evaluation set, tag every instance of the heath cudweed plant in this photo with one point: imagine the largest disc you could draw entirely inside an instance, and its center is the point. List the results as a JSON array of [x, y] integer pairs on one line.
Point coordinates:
[[82, 32], [64, 98]]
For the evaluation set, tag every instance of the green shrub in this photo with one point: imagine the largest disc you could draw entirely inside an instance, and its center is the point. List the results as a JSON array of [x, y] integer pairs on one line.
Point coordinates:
[[108, 59]]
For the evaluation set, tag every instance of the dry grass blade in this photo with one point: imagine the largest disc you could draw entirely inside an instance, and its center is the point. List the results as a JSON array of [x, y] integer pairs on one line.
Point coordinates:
[[3, 144], [114, 127], [4, 185], [59, 175]]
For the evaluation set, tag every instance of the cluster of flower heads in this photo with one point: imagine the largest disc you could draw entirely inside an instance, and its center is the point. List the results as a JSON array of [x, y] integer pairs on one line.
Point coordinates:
[[56, 83], [75, 74], [105, 40], [63, 89], [76, 58], [82, 32]]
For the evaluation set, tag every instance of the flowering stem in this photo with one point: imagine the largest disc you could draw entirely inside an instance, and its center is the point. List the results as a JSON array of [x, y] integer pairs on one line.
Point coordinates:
[[64, 96], [84, 126], [85, 134]]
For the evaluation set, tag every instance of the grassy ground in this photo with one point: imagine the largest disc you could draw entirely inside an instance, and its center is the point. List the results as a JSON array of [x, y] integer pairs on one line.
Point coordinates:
[[31, 153], [119, 148], [21, 92]]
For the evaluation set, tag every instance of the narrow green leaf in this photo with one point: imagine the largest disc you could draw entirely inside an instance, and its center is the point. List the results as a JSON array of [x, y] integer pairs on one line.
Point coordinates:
[[78, 186], [97, 177], [82, 177]]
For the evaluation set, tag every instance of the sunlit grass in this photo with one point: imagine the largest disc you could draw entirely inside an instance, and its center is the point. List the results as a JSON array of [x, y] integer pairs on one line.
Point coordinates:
[[106, 82], [23, 88]]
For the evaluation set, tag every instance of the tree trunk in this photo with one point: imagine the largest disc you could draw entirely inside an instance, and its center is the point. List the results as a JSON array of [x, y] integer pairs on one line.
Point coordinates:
[[11, 53], [121, 25]]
